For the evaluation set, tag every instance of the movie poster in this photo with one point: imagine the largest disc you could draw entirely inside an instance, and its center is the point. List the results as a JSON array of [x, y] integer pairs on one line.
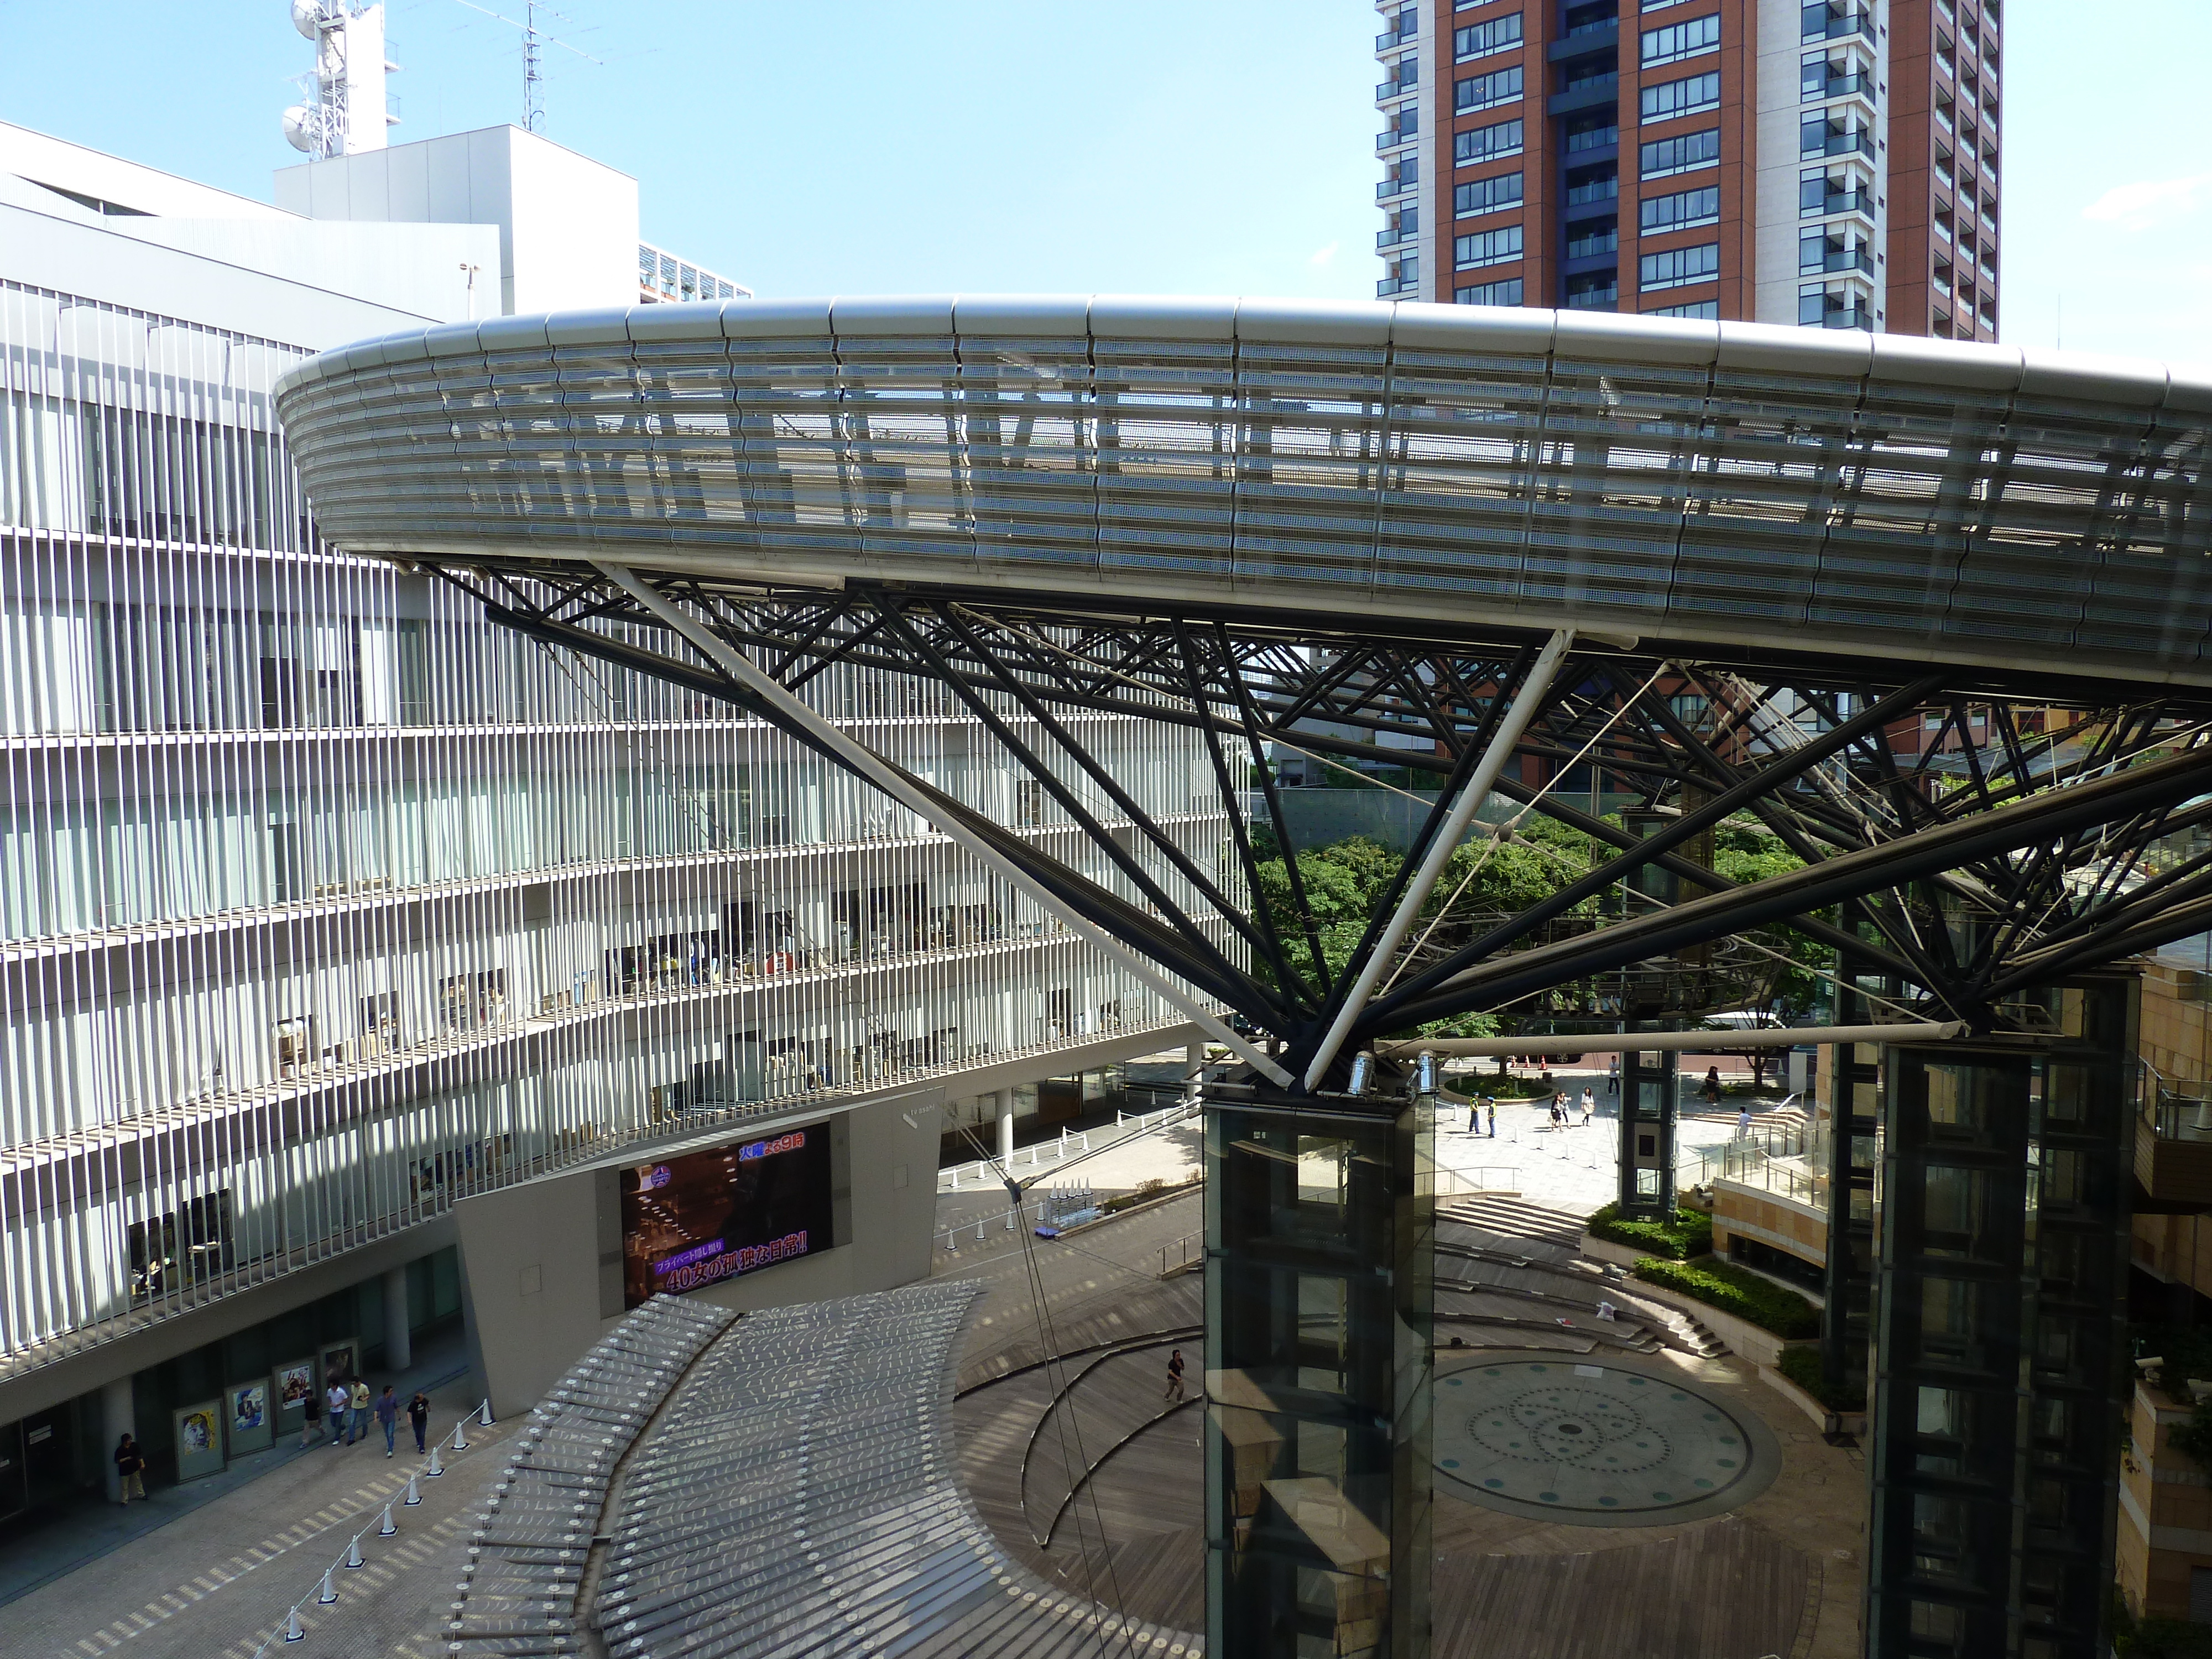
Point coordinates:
[[698, 1219], [293, 1382], [252, 1426], [199, 1440]]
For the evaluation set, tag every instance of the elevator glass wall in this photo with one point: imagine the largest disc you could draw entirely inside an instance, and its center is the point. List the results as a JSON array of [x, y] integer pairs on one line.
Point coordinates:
[[1318, 1237]]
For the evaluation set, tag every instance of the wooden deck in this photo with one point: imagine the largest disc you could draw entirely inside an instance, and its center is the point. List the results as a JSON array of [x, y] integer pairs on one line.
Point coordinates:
[[1737, 1586]]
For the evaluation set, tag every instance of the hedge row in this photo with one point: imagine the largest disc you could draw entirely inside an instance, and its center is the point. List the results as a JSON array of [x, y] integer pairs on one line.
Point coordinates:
[[1802, 1366], [1737, 1290], [1690, 1234]]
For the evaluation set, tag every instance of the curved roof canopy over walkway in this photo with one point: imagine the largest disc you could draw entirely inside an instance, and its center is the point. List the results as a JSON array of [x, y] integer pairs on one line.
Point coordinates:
[[1760, 554], [1722, 485]]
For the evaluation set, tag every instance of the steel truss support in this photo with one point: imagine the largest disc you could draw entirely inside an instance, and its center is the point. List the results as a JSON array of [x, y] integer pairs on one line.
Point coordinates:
[[1441, 843], [1992, 833], [1957, 841], [966, 827]]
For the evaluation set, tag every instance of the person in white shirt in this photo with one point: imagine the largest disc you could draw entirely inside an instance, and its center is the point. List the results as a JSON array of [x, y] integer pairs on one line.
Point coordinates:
[[338, 1399]]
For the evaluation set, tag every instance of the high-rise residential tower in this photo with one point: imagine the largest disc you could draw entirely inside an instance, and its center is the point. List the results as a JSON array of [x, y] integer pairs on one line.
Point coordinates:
[[1832, 164]]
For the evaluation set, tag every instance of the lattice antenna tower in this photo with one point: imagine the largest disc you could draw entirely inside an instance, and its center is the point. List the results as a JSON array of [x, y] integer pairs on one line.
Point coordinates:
[[534, 42], [533, 78]]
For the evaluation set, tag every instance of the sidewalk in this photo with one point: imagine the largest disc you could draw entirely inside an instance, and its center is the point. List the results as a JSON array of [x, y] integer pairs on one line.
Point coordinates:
[[60, 1541]]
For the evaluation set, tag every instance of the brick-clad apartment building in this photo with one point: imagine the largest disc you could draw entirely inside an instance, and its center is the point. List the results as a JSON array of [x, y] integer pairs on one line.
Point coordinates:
[[1833, 165]]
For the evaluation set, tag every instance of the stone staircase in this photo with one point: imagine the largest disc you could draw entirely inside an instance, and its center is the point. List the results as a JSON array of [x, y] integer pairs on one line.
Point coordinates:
[[1517, 1217], [1533, 1253]]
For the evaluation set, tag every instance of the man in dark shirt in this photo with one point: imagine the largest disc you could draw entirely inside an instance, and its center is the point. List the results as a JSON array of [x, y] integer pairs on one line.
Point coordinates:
[[1174, 1376], [130, 1470], [387, 1416]]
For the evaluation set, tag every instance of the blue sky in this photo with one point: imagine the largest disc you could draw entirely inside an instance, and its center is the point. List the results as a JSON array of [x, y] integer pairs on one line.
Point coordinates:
[[1221, 147]]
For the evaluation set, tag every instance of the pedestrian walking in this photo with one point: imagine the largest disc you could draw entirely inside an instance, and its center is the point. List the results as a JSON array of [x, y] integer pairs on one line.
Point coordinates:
[[1712, 1089], [418, 1413], [311, 1408], [1743, 1124], [1612, 1076], [130, 1470], [337, 1397], [1590, 1105], [357, 1425], [1174, 1376], [387, 1416]]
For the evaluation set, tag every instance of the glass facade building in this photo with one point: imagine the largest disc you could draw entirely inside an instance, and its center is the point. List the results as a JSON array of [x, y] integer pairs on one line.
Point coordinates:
[[327, 902]]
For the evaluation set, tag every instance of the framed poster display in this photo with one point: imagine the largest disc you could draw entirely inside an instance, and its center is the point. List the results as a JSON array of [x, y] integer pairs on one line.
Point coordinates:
[[252, 1426], [341, 1361], [289, 1385], [199, 1440]]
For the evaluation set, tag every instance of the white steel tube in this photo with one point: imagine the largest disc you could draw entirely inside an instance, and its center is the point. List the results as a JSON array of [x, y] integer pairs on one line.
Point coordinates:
[[1541, 674], [1718, 1042], [872, 767]]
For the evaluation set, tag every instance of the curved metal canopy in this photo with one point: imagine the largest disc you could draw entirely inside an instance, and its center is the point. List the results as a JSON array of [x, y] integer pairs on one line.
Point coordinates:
[[1706, 487]]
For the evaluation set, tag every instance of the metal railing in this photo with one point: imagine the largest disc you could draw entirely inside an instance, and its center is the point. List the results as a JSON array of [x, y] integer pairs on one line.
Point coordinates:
[[1448, 1181], [1183, 1250], [1789, 1160], [1837, 27], [984, 1172], [1838, 143]]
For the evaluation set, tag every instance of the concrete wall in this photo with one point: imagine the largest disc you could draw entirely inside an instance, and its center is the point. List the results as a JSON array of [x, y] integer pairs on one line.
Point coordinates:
[[2166, 1510], [568, 226], [56, 161], [310, 292], [541, 1277], [1798, 1230]]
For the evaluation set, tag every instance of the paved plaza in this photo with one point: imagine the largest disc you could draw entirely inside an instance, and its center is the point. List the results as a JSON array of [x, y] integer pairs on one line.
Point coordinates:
[[218, 1580], [1616, 1443]]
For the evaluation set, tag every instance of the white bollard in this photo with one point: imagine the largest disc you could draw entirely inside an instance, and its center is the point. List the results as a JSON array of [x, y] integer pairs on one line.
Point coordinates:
[[292, 1631], [387, 1529], [353, 1552], [460, 1435], [435, 1470], [330, 1590], [483, 1414], [413, 1493]]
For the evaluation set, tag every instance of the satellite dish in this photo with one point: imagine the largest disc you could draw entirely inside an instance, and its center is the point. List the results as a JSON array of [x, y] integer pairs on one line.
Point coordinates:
[[306, 15], [299, 123]]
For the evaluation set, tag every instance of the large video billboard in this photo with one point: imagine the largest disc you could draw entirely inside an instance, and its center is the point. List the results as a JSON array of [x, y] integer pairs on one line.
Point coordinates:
[[696, 1220]]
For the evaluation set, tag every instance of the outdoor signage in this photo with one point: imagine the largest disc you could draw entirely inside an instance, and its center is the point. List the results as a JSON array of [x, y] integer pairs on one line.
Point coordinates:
[[696, 1220]]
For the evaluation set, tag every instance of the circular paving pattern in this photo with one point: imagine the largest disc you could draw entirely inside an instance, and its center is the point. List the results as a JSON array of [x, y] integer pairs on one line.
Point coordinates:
[[1595, 1445]]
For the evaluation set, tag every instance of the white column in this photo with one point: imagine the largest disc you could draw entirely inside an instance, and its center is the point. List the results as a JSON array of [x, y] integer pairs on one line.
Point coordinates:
[[1194, 1070], [1416, 894], [398, 1345], [1003, 1101], [116, 1419]]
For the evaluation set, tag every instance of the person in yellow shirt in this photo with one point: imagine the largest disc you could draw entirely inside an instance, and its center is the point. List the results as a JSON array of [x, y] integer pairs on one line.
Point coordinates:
[[357, 1417]]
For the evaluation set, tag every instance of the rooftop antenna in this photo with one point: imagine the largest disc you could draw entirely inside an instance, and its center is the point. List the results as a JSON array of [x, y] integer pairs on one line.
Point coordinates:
[[342, 112], [534, 42]]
